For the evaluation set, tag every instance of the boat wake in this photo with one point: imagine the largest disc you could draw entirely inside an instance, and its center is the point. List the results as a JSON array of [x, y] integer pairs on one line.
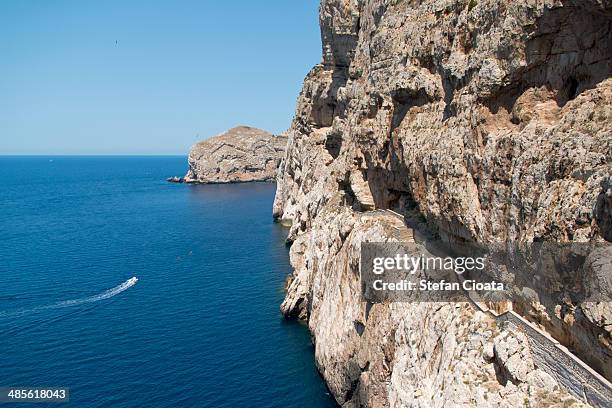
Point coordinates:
[[67, 303]]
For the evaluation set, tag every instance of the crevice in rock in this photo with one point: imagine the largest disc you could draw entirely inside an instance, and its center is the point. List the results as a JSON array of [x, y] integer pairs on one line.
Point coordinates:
[[449, 94], [359, 327], [603, 211], [368, 308]]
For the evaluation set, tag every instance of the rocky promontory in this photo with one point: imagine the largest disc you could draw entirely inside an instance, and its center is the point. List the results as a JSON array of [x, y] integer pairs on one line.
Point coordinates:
[[238, 155]]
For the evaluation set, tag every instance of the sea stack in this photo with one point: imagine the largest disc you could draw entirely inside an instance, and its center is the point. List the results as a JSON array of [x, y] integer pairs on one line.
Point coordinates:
[[238, 155]]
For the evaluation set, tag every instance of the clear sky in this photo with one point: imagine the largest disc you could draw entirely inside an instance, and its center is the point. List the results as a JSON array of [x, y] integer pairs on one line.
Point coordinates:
[[148, 77]]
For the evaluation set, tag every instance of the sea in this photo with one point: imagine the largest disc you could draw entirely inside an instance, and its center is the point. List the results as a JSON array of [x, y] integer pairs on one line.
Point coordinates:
[[134, 292]]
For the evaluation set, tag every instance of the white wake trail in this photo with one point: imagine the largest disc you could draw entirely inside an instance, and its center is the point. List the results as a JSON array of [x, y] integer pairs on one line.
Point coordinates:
[[67, 303]]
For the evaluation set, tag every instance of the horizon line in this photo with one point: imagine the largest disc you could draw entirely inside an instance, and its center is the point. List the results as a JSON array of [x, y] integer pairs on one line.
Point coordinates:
[[94, 155]]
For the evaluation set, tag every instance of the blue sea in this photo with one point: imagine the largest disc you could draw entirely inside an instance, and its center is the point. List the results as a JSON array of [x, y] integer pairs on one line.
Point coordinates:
[[200, 328]]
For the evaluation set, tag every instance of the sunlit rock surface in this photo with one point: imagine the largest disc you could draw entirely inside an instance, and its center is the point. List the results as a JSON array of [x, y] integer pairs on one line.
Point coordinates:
[[479, 121], [239, 155]]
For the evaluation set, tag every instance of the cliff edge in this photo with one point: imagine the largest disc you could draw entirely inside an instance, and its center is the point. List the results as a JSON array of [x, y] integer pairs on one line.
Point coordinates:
[[477, 121]]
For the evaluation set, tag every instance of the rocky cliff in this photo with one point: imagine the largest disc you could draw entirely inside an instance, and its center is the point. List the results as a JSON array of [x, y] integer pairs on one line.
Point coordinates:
[[238, 155], [478, 121]]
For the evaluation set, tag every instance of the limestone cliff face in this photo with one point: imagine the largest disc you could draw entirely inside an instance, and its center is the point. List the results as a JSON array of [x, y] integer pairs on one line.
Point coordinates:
[[480, 120], [241, 154]]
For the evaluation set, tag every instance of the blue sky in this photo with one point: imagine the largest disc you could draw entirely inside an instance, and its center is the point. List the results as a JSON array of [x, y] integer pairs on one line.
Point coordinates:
[[148, 77]]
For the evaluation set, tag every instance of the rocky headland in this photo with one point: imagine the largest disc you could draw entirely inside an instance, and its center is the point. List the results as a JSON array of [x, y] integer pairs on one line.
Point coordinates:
[[475, 121], [241, 154]]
